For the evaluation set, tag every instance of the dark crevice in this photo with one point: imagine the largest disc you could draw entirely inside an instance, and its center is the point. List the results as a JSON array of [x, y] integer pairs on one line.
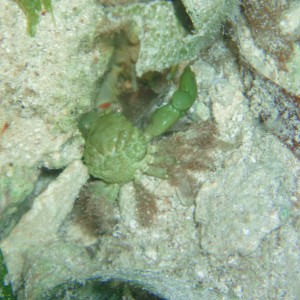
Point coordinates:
[[183, 17], [9, 220]]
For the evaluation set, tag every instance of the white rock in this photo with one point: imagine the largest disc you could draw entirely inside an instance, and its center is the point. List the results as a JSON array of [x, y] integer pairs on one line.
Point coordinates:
[[40, 224]]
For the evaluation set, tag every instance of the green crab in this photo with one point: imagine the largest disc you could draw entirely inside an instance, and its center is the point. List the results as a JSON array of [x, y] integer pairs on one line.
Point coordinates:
[[115, 150]]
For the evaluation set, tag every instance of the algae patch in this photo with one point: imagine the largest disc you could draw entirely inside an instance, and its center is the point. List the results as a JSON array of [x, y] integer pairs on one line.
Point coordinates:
[[33, 9]]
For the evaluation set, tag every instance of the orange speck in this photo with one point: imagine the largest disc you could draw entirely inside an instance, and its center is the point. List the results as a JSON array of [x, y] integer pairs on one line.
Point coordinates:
[[104, 105], [4, 127]]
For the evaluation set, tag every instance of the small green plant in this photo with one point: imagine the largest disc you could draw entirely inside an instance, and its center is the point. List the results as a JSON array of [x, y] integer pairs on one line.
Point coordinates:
[[33, 9], [5, 288]]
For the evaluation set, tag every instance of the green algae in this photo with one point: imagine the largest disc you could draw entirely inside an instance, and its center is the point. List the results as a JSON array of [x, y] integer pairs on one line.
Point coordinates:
[[5, 287], [33, 9]]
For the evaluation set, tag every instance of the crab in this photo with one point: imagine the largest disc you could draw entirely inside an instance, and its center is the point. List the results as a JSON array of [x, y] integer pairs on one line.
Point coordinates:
[[116, 151]]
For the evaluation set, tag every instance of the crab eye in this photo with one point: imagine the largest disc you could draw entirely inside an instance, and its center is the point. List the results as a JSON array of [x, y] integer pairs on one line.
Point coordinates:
[[86, 121]]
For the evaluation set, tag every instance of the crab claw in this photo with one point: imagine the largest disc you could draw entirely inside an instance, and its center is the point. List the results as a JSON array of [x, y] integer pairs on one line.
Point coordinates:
[[182, 100]]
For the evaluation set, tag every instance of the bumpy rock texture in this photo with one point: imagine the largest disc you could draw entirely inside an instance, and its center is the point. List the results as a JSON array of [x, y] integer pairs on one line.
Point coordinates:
[[165, 45], [46, 81]]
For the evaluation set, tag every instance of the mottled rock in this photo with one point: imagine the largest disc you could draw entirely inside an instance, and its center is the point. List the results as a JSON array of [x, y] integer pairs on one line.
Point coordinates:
[[39, 226], [245, 202]]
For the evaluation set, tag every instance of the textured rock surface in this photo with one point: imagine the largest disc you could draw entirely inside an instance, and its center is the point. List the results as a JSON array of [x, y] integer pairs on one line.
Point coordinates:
[[266, 64], [38, 228], [165, 45], [45, 83], [246, 201], [208, 16], [266, 36]]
